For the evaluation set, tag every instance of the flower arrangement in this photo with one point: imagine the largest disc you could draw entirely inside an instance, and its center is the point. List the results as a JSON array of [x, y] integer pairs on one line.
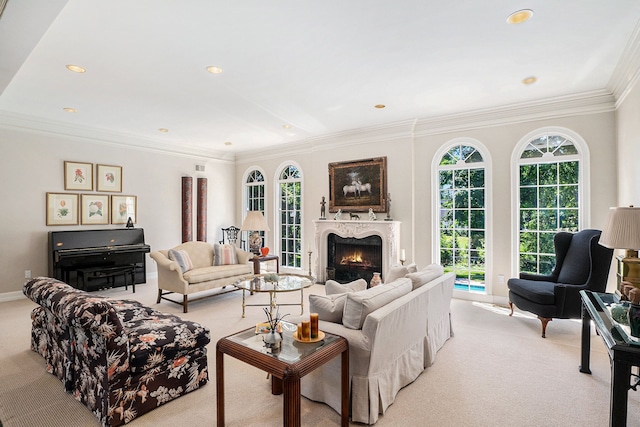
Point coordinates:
[[274, 320], [273, 339]]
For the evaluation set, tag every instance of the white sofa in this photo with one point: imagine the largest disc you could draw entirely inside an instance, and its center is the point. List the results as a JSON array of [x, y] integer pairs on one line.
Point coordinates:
[[203, 275], [396, 342]]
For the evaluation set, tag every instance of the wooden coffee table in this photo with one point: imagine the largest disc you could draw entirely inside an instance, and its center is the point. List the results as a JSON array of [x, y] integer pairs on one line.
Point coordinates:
[[292, 362]]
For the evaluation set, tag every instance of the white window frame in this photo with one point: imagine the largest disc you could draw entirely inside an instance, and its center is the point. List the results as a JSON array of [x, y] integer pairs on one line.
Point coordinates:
[[278, 223], [488, 207], [245, 206], [584, 207]]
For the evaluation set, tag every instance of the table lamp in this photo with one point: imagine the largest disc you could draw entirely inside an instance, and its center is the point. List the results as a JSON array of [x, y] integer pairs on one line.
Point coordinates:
[[255, 222], [622, 231]]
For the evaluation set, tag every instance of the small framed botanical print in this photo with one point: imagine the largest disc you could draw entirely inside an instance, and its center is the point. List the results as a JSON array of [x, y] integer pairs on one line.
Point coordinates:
[[62, 209], [95, 208], [78, 176], [109, 178], [123, 208]]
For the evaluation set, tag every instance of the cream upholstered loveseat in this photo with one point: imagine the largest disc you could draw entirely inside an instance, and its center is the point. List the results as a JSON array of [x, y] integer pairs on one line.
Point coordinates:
[[203, 274], [394, 331]]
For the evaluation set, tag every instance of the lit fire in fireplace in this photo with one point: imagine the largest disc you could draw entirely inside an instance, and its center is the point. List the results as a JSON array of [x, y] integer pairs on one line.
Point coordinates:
[[355, 258]]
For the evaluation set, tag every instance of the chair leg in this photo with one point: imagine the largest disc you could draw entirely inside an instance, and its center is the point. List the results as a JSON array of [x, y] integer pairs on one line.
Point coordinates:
[[511, 307], [159, 296], [185, 301], [544, 321]]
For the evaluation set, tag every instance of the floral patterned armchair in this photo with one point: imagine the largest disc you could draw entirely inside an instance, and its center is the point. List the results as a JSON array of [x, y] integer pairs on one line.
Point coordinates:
[[118, 357]]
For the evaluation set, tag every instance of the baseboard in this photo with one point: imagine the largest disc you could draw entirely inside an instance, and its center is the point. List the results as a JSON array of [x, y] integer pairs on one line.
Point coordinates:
[[11, 296]]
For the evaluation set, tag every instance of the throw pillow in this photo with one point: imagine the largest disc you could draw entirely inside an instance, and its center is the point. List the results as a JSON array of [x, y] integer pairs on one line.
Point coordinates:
[[224, 254], [412, 268], [395, 273], [360, 304], [332, 287], [329, 308], [425, 275], [182, 258]]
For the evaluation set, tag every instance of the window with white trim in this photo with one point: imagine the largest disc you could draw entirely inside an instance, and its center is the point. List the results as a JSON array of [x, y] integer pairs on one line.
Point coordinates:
[[462, 216], [254, 196], [290, 219], [549, 189]]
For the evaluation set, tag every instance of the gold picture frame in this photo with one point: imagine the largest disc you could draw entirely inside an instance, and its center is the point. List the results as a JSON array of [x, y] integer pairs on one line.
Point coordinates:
[[62, 209], [94, 209], [123, 208], [109, 178], [358, 185], [78, 176]]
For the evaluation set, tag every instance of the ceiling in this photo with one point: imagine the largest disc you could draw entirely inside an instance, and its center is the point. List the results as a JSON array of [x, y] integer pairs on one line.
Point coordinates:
[[293, 69]]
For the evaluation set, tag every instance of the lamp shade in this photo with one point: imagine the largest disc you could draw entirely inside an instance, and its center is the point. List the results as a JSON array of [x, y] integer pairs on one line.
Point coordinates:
[[622, 229], [255, 221]]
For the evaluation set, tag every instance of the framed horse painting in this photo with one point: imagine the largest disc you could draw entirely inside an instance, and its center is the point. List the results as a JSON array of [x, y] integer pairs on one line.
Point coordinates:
[[358, 185]]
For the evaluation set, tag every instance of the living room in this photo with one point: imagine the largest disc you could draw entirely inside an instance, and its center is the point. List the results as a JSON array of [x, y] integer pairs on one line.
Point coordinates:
[[605, 121]]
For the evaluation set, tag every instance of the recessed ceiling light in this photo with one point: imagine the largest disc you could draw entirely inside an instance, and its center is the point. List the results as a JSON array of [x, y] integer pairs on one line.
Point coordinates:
[[163, 130], [286, 126], [214, 70], [70, 110], [227, 143], [520, 16], [76, 68], [379, 106], [529, 80]]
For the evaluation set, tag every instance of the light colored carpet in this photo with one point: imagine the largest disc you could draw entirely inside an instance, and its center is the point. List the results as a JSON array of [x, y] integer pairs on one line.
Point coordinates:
[[496, 371]]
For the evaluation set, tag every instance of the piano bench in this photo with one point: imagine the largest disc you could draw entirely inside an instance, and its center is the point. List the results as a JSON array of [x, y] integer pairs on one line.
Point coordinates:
[[85, 275]]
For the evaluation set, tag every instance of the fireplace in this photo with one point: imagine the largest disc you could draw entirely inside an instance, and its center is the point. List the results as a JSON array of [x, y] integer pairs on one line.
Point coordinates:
[[351, 258], [364, 235]]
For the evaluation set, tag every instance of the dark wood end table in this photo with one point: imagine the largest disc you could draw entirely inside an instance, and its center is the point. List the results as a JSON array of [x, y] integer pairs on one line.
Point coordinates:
[[258, 259], [294, 361], [623, 349]]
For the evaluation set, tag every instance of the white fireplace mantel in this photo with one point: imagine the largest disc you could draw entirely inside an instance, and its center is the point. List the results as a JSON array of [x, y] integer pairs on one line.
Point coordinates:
[[389, 231]]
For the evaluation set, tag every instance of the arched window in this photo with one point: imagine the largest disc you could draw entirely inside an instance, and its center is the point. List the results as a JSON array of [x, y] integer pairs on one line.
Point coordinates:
[[462, 213], [254, 200], [550, 195], [290, 217]]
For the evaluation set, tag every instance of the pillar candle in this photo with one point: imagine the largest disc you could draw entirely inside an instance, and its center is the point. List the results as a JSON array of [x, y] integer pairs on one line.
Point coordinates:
[[299, 332], [306, 330], [403, 255], [314, 325]]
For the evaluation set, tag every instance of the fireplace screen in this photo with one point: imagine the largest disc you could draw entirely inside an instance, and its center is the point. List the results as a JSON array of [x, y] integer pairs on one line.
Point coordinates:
[[349, 258]]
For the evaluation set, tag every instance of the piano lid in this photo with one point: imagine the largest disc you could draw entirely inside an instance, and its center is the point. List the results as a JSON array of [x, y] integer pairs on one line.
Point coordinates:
[[76, 239]]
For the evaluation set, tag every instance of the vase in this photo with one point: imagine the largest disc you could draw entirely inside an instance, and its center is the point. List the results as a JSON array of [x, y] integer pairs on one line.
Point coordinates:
[[272, 341], [634, 320], [264, 251], [375, 280]]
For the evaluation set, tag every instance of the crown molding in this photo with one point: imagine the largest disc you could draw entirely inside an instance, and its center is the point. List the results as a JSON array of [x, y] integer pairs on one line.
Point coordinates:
[[593, 102], [627, 71], [352, 137], [36, 125]]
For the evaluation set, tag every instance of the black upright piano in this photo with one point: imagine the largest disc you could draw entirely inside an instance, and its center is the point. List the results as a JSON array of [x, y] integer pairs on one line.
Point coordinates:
[[72, 253]]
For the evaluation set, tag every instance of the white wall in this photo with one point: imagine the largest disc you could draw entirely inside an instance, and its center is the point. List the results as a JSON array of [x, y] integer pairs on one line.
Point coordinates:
[[409, 161], [628, 167], [32, 165]]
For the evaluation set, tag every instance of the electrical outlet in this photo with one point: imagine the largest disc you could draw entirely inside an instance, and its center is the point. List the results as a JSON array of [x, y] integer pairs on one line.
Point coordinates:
[[501, 278], [27, 274]]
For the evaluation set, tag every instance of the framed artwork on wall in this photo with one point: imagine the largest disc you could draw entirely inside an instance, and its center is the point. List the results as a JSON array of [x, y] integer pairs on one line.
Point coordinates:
[[94, 208], [123, 208], [109, 178], [358, 185], [62, 209], [78, 176]]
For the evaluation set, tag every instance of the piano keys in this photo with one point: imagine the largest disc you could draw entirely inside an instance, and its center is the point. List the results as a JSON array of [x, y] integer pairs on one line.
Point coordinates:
[[73, 251]]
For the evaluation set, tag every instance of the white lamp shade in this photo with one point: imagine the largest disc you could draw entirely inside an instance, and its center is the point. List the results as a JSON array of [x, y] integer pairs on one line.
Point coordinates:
[[622, 229], [255, 222]]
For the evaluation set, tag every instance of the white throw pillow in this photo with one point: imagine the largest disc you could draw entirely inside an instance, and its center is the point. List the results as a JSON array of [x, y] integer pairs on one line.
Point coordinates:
[[331, 287], [412, 268], [425, 275], [395, 273], [329, 308], [359, 304]]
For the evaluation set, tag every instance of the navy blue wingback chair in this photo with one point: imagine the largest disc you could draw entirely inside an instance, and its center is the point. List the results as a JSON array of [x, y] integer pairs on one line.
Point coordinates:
[[581, 263]]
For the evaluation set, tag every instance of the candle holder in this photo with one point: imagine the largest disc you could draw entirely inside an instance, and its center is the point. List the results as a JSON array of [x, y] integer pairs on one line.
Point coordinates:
[[402, 261], [310, 252]]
